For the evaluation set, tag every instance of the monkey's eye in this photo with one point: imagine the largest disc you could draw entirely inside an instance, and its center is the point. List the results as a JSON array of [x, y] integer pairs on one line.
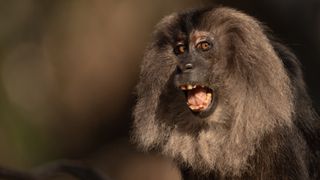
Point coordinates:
[[204, 46], [180, 49]]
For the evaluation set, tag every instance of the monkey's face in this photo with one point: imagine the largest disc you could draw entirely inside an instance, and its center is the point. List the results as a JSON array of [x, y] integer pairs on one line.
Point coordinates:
[[192, 89], [194, 62]]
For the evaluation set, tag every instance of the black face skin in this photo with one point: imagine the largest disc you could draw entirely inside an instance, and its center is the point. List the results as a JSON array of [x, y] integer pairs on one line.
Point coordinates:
[[194, 55], [194, 59]]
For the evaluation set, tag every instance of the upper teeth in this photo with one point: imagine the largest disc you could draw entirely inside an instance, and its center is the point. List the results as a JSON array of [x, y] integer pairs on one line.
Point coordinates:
[[188, 87], [183, 87]]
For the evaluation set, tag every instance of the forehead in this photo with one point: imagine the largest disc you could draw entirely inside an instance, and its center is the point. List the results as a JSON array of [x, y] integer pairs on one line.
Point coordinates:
[[184, 26], [189, 21]]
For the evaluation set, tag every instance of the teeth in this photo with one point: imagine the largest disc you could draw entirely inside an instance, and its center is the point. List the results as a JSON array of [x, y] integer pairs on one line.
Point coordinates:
[[190, 87], [209, 97], [195, 108]]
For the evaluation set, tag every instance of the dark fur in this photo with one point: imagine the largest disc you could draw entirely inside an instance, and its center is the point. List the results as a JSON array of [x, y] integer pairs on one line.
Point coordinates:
[[263, 126]]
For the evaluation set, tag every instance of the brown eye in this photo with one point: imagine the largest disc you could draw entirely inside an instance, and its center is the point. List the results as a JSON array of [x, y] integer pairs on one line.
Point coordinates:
[[180, 49], [204, 46]]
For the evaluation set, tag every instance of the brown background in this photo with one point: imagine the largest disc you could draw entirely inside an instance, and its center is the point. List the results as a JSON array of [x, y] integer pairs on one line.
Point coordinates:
[[68, 70]]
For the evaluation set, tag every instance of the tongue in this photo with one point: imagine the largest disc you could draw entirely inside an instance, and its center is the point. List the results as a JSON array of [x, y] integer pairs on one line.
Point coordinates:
[[197, 97]]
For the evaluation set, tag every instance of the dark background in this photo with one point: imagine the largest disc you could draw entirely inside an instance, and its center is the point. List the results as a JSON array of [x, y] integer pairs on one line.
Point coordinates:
[[68, 70]]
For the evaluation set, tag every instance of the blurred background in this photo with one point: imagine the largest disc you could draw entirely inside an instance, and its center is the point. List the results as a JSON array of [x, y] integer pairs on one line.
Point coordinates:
[[68, 70]]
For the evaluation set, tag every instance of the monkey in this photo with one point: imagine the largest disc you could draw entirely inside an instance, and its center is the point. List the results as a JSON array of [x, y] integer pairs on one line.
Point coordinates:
[[224, 99]]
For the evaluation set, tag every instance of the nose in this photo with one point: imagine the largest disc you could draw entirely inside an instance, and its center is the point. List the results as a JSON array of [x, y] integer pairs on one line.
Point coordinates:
[[184, 67], [188, 66]]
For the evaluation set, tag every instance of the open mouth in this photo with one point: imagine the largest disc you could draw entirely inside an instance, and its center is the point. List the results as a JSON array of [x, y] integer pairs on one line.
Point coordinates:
[[199, 97]]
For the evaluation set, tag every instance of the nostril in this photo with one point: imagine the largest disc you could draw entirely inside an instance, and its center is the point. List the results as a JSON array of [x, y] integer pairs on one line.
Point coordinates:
[[188, 66]]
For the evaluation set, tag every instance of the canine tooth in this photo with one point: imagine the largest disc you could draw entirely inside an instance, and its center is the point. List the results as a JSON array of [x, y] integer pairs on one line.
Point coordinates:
[[194, 86], [183, 87], [189, 87], [208, 100], [202, 86]]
